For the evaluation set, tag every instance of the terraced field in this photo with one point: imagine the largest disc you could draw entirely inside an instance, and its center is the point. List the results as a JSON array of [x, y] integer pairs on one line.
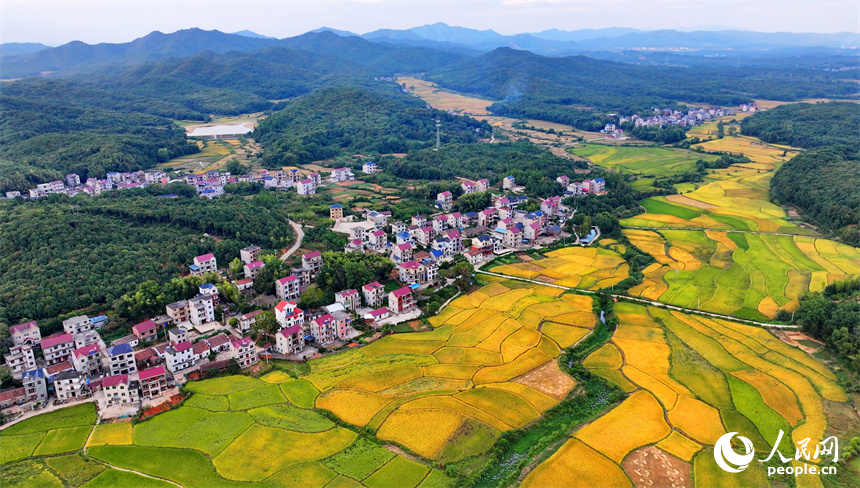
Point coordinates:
[[589, 268], [691, 380], [447, 394], [642, 161], [745, 275]]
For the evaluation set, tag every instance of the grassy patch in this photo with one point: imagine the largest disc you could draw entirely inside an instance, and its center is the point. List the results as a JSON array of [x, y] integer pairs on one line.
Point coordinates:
[[28, 474], [74, 469], [300, 393], [192, 428], [472, 438], [208, 402], [58, 441], [286, 416], [224, 385], [748, 402], [19, 446], [398, 473], [308, 475], [114, 477], [257, 397], [360, 459], [116, 434], [83, 414]]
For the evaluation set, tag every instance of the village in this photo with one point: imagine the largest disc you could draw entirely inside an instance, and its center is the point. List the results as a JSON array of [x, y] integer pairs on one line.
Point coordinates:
[[148, 366]]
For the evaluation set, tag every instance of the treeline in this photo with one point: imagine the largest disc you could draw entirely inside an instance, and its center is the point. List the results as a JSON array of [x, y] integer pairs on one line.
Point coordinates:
[[806, 125], [533, 167], [823, 184], [834, 317], [702, 166], [356, 119], [61, 254]]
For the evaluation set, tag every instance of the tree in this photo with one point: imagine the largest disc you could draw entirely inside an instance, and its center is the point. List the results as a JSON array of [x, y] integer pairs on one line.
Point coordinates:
[[585, 227], [474, 202], [312, 297], [266, 324], [236, 266], [234, 322], [264, 282]]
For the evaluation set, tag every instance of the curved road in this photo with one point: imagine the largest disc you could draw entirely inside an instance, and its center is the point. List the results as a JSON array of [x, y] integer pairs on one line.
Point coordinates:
[[648, 302], [298, 244]]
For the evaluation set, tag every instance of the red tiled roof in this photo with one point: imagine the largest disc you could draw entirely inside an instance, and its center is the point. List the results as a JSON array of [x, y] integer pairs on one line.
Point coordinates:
[[379, 311], [200, 347], [12, 394], [404, 246], [115, 380], [295, 329], [347, 293], [371, 286], [151, 373], [57, 339], [182, 346], [402, 292], [144, 326], [379, 233], [287, 279], [245, 281], [243, 342], [22, 327], [311, 255], [255, 264], [411, 265], [321, 320], [204, 257], [252, 314], [218, 340], [86, 350], [61, 366]]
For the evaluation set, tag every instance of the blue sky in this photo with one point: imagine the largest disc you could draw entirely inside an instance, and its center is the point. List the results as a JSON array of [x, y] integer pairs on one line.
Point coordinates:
[[59, 21]]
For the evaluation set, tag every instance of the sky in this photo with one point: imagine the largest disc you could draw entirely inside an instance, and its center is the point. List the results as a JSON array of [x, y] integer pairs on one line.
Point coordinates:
[[55, 22]]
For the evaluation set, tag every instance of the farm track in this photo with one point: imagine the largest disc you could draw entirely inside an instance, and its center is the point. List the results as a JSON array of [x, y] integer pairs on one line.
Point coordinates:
[[123, 469], [300, 236], [649, 302]]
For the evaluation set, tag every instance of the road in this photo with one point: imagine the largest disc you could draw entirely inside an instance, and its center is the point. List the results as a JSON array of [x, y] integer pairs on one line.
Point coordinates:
[[649, 302], [300, 235]]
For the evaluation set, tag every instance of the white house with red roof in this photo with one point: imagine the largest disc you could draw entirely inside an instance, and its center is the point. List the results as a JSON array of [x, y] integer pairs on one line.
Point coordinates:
[[455, 241], [487, 217], [57, 348], [402, 252], [412, 272], [145, 331], [401, 300], [378, 240], [440, 223], [153, 381], [325, 329], [455, 220], [244, 351], [219, 342], [244, 284], [377, 315], [87, 360], [374, 294], [355, 245], [26, 333], [482, 185], [290, 340], [532, 231], [288, 288], [513, 237], [247, 320], [445, 200], [251, 269], [312, 261], [120, 390], [468, 187], [419, 220], [424, 235], [288, 314], [206, 263], [350, 299], [564, 180], [306, 187], [179, 356], [20, 358], [200, 350]]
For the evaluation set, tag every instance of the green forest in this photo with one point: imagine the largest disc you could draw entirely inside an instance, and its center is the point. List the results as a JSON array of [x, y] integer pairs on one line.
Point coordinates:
[[365, 120], [806, 125], [823, 184], [834, 317]]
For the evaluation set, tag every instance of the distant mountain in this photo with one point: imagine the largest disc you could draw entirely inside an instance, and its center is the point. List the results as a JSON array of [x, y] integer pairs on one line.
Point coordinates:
[[254, 35], [341, 33], [460, 35], [20, 48], [583, 34]]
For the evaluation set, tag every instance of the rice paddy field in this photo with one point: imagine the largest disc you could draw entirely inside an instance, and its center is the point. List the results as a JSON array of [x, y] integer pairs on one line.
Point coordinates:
[[642, 161], [590, 268], [742, 274], [691, 380]]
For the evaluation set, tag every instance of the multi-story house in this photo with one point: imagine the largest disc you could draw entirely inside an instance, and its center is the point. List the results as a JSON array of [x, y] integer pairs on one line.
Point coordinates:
[[249, 254], [119, 359], [206, 263], [455, 241], [402, 253], [86, 338], [69, 385], [177, 335], [73, 180], [119, 390], [531, 231], [378, 240], [201, 310], [312, 261], [87, 360], [179, 356], [424, 235], [509, 183], [244, 351], [350, 299], [304, 275], [27, 333], [374, 294], [475, 257], [564, 180], [379, 219], [57, 348], [77, 325], [324, 329], [398, 227], [247, 320], [440, 223], [288, 288], [355, 245], [177, 311], [153, 381], [513, 237], [482, 185], [287, 314], [454, 220], [211, 291], [35, 385], [306, 187], [468, 187], [335, 212], [251, 269], [442, 244], [219, 342], [445, 200], [20, 359], [341, 174], [487, 217], [598, 185], [369, 168], [401, 300], [483, 244], [290, 340], [404, 237], [419, 220]]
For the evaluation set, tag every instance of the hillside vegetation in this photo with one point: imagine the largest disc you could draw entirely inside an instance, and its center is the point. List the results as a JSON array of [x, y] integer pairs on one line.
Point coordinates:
[[806, 125]]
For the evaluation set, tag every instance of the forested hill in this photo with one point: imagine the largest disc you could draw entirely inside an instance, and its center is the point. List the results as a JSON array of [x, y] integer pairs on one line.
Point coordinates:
[[823, 184], [49, 129], [558, 87], [806, 125], [377, 119]]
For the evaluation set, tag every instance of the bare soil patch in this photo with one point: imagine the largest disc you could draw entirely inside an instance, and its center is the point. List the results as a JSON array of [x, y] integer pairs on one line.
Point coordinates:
[[650, 466], [548, 379]]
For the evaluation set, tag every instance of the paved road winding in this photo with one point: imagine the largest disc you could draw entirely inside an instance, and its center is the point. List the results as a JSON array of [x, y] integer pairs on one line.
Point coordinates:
[[301, 235]]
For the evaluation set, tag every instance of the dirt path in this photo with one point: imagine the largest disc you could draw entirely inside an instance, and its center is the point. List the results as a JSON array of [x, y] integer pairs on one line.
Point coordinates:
[[301, 235]]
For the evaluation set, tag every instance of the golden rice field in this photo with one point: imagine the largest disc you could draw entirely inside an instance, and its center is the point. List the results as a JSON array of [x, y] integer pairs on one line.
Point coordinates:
[[590, 268], [694, 379], [742, 274], [430, 391], [443, 99]]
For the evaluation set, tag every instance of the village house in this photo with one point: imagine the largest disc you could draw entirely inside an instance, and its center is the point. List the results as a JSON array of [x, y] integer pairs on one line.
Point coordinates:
[[369, 168], [341, 174], [475, 257], [374, 294], [206, 263], [482, 185], [483, 244], [455, 220], [177, 335], [86, 338], [77, 325], [378, 241], [355, 245], [12, 396], [468, 187], [379, 219], [440, 223], [179, 356], [531, 231], [487, 217], [87, 360], [219, 342], [455, 241], [244, 284], [119, 390], [335, 212], [401, 300], [419, 220], [251, 269], [35, 385], [398, 227], [211, 291], [69, 385], [304, 276], [119, 359], [306, 187], [324, 329], [247, 320], [20, 359], [249, 254], [350, 299], [153, 382], [288, 288], [73, 180], [513, 238], [598, 185], [200, 351], [57, 348], [312, 261], [445, 200], [424, 235], [177, 311], [244, 351], [412, 272], [27, 333], [563, 180], [290, 340], [509, 182], [377, 315], [201, 310]]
